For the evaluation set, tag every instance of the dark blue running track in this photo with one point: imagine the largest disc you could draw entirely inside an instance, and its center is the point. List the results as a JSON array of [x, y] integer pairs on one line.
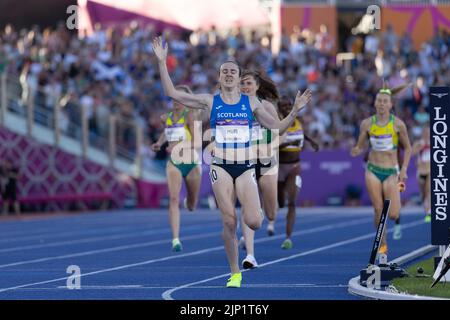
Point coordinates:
[[127, 255]]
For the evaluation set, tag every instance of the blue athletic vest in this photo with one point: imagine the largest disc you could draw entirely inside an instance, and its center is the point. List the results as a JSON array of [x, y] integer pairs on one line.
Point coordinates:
[[231, 125]]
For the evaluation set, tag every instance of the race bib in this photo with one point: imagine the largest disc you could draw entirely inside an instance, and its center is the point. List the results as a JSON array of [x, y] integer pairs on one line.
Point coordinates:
[[295, 136], [257, 132], [382, 143], [177, 133], [232, 131]]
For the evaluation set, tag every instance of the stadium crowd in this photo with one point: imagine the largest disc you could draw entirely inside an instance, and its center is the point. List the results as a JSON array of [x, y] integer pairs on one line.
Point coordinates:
[[113, 71]]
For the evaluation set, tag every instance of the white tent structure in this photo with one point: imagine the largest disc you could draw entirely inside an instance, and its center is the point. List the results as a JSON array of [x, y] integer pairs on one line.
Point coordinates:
[[181, 14]]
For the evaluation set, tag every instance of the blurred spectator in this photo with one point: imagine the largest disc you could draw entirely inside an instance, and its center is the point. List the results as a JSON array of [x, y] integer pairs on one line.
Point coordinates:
[[371, 44], [324, 42], [9, 175], [113, 72], [422, 117], [126, 130], [390, 41]]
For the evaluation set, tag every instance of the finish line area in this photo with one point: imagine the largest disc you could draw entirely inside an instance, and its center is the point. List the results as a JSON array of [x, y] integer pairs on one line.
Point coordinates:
[[126, 254]]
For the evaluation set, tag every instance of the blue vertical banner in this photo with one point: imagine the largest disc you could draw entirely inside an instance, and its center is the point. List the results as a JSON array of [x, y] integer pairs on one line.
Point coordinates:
[[439, 128]]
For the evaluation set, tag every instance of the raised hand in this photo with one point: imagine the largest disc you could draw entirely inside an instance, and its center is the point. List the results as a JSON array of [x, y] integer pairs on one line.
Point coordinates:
[[302, 99], [160, 50]]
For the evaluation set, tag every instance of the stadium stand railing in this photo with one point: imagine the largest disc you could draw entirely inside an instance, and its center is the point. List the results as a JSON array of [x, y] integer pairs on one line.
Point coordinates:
[[19, 99], [61, 167]]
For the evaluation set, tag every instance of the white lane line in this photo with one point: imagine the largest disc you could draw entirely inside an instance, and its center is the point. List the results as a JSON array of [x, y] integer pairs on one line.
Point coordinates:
[[29, 227], [157, 231], [95, 231], [92, 223], [117, 268], [95, 217], [144, 287], [414, 254], [106, 221], [112, 249], [199, 252], [167, 295], [102, 238], [83, 230], [151, 243]]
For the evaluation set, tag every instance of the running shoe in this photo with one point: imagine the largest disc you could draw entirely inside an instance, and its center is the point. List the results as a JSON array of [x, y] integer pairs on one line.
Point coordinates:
[[249, 262], [428, 218], [383, 249], [270, 229], [235, 280], [287, 244], [397, 232], [176, 245]]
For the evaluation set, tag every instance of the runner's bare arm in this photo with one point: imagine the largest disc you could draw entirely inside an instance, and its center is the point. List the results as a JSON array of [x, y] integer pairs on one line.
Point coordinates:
[[359, 148], [269, 122], [196, 101], [195, 127], [313, 143], [161, 140]]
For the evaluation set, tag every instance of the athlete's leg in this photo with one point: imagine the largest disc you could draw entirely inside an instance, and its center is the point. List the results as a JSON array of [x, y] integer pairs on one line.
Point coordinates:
[[422, 185], [247, 193], [249, 236], [391, 191], [222, 185], [193, 181], [174, 180], [292, 192], [375, 190], [268, 188], [268, 185], [281, 194]]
